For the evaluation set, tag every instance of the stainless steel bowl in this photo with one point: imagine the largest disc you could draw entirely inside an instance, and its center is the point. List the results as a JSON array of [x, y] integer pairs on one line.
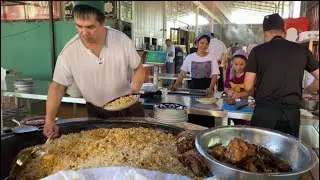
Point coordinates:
[[311, 105], [284, 146]]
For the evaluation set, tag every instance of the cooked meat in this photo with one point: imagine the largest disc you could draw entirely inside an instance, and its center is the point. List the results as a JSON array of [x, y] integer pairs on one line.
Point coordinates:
[[252, 149], [270, 170], [264, 152], [185, 141], [193, 160], [231, 102], [283, 166], [250, 165], [236, 150], [218, 152], [249, 157]]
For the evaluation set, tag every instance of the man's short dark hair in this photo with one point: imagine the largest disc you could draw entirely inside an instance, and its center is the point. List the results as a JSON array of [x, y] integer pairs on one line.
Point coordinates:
[[212, 35], [168, 40], [83, 12], [236, 43]]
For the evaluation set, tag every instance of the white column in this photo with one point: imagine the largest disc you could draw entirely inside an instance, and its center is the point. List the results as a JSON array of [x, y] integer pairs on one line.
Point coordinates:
[[212, 23], [197, 13], [164, 23]]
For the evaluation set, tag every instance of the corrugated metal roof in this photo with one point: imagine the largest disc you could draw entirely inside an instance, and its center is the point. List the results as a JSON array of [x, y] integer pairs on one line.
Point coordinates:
[[267, 7]]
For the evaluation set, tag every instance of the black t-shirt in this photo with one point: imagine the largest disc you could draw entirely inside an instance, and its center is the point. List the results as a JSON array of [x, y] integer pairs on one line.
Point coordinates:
[[193, 50], [279, 66]]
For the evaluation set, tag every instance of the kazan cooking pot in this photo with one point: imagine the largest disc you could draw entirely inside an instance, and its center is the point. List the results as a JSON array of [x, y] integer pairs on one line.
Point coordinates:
[[12, 144]]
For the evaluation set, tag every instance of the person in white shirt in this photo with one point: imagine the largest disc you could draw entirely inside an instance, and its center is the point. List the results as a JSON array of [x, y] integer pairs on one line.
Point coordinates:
[[250, 47], [102, 61], [217, 48], [202, 66], [170, 59], [204, 70]]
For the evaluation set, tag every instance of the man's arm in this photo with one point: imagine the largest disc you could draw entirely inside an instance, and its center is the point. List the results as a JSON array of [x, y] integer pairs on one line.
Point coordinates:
[[314, 86], [312, 67], [55, 94], [249, 81], [251, 70], [138, 78]]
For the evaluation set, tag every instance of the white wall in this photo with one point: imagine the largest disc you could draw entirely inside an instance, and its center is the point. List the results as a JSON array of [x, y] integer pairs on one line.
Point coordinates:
[[148, 18]]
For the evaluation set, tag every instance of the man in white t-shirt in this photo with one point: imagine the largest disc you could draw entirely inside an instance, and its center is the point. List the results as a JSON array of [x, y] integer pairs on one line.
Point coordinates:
[[217, 48], [170, 59], [102, 61]]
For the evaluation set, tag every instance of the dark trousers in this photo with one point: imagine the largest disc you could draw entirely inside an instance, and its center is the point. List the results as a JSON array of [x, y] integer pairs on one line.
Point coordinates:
[[135, 110], [241, 122], [206, 121], [220, 80], [169, 70], [283, 118]]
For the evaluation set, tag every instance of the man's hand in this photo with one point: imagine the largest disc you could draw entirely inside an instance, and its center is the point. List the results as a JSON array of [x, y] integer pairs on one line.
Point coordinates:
[[55, 94], [50, 127], [173, 87], [209, 92], [134, 90]]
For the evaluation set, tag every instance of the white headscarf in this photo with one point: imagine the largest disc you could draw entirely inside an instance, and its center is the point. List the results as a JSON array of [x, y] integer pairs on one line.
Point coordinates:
[[239, 52]]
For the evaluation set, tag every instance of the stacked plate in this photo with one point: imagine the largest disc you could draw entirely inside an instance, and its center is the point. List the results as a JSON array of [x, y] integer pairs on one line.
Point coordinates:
[[23, 84], [171, 113]]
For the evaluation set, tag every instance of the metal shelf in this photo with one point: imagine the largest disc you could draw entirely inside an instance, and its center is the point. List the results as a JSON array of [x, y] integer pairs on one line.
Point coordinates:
[[308, 40], [13, 3]]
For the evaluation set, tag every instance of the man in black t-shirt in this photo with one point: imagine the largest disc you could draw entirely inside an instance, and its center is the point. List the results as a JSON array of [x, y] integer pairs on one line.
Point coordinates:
[[274, 73]]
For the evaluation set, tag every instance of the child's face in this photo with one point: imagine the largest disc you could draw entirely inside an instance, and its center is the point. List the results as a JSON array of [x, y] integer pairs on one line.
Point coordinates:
[[239, 64]]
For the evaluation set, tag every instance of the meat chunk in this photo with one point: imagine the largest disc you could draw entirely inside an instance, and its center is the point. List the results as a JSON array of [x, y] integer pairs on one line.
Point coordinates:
[[249, 157], [218, 152], [283, 166], [252, 149], [264, 152], [193, 160], [250, 165], [186, 141], [231, 102], [237, 150]]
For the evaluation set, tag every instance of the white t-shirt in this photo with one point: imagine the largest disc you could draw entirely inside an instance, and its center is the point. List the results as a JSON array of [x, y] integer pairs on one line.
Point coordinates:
[[217, 48], [200, 67], [100, 79], [170, 49]]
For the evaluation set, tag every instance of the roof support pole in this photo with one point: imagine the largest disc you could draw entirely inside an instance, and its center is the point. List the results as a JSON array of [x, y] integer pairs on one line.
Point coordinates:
[[52, 42], [282, 8], [197, 14]]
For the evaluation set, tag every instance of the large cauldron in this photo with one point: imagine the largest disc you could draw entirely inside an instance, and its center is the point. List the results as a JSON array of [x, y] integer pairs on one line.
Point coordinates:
[[12, 144]]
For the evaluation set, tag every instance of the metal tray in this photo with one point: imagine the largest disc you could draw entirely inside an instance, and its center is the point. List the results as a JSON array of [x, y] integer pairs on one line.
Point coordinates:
[[190, 92]]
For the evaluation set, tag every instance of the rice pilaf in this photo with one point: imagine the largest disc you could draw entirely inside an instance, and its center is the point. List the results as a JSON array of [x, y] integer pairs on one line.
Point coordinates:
[[143, 148]]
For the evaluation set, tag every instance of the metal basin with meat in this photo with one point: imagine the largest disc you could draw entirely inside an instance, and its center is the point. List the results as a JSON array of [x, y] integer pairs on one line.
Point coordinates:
[[283, 146]]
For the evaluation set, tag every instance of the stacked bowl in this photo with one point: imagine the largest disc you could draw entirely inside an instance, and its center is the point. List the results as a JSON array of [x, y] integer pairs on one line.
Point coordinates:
[[171, 113], [23, 83]]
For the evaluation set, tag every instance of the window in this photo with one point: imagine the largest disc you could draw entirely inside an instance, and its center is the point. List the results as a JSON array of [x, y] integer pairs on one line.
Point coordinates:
[[126, 10]]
